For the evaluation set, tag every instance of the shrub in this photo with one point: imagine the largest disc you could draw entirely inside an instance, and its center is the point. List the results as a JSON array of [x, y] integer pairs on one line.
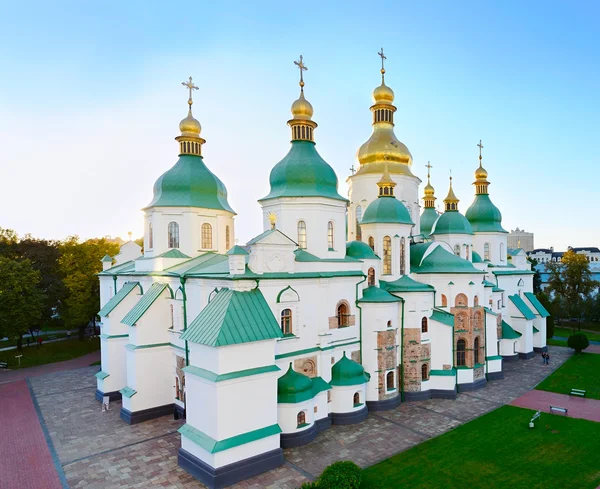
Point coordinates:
[[549, 327], [340, 475], [578, 341], [309, 485]]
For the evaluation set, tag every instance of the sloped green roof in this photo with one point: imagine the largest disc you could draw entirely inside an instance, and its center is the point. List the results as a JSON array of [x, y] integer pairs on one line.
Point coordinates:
[[237, 250], [486, 283], [443, 317], [106, 258], [375, 294], [451, 222], [319, 385], [508, 333], [512, 272], [427, 221], [497, 289], [189, 183], [233, 317], [303, 173], [386, 209], [174, 253], [537, 304], [521, 306], [477, 258], [405, 284], [266, 233], [118, 269], [513, 251], [484, 216], [144, 304], [535, 330], [360, 251], [439, 260], [293, 387], [305, 256], [348, 372], [116, 299]]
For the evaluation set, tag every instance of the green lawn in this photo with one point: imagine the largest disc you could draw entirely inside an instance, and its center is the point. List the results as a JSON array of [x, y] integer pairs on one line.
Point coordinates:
[[566, 332], [498, 451], [50, 352], [581, 371], [554, 342], [576, 325]]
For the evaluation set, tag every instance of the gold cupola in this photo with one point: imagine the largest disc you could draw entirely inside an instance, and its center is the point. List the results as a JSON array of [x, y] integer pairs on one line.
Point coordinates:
[[386, 184], [429, 197], [301, 123], [190, 142], [451, 201], [481, 182], [383, 146]]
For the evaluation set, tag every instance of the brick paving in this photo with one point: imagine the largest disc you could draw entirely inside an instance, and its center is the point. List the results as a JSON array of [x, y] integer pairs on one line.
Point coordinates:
[[577, 407], [98, 450]]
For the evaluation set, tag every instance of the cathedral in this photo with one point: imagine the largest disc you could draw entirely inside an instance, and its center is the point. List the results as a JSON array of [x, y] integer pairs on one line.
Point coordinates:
[[338, 307]]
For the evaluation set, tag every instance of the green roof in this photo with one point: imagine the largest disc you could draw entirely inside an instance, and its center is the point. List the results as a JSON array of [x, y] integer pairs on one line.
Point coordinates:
[[497, 289], [233, 317], [513, 251], [477, 258], [189, 183], [537, 304], [360, 251], [116, 299], [319, 385], [521, 306], [439, 260], [237, 250], [305, 256], [405, 284], [293, 387], [443, 317], [118, 269], [144, 304], [486, 283], [173, 253], [266, 233], [512, 272], [484, 216], [375, 294], [303, 173], [213, 446], [428, 219], [106, 258], [386, 209], [348, 372], [508, 333], [487, 309], [535, 330], [451, 222]]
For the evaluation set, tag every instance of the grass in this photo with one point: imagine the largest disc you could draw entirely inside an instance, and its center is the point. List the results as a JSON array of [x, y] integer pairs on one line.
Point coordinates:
[[589, 326], [45, 337], [496, 451], [552, 341], [581, 371], [566, 332], [50, 352], [95, 363]]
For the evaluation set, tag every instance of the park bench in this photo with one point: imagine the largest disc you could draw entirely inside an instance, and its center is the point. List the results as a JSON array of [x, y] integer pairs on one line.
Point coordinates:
[[578, 392], [558, 409], [3, 364]]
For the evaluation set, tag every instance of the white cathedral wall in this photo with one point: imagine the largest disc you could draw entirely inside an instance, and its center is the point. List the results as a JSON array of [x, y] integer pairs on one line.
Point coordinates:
[[497, 242], [288, 415], [441, 282], [106, 289], [232, 358], [342, 397], [441, 348], [525, 327], [113, 359], [395, 232], [463, 241], [491, 335], [149, 373]]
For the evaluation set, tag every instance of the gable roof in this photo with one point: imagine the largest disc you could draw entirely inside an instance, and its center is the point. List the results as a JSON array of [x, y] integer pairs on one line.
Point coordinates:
[[438, 260], [268, 232], [508, 333], [116, 299], [233, 317], [405, 284], [375, 294], [537, 304], [521, 306], [443, 317], [133, 316]]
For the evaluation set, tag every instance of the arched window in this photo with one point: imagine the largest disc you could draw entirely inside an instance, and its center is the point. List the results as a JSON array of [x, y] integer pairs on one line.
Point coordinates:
[[173, 235], [467, 252], [424, 372], [389, 381], [356, 399], [372, 243], [476, 300], [444, 301], [358, 219], [461, 347], [172, 316], [371, 275], [461, 300], [424, 325], [227, 241], [502, 253], [457, 250], [302, 235], [389, 324], [486, 251], [286, 321], [330, 235], [387, 255], [206, 236], [476, 351], [301, 419], [342, 315], [150, 236], [402, 256]]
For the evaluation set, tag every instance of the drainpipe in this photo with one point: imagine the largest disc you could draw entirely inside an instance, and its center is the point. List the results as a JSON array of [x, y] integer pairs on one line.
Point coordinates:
[[485, 343], [454, 359], [402, 354], [115, 284], [187, 354], [360, 318]]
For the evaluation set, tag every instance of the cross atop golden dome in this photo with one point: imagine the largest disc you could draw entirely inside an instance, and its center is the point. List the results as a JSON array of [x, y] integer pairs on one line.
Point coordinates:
[[481, 183], [302, 111], [190, 141], [429, 198], [386, 184]]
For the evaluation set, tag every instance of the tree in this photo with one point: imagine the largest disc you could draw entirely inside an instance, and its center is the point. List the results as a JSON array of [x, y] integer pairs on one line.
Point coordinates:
[[570, 280], [578, 341], [21, 301], [79, 263], [537, 279]]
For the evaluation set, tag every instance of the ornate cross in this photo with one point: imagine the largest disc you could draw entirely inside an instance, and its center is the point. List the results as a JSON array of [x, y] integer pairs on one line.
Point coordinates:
[[480, 146], [190, 86], [429, 166], [380, 53], [300, 64], [352, 169]]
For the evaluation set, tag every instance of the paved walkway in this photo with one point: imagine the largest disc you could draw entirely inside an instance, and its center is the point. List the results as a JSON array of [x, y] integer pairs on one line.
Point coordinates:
[[578, 407], [593, 349]]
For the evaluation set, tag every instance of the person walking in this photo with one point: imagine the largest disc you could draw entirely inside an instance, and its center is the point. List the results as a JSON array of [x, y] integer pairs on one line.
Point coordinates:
[[547, 358], [544, 358]]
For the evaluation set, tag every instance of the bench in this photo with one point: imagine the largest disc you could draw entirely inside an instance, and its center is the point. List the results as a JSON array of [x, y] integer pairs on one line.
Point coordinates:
[[558, 409], [578, 392], [3, 364]]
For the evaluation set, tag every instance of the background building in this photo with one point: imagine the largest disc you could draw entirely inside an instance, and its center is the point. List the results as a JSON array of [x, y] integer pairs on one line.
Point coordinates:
[[519, 238]]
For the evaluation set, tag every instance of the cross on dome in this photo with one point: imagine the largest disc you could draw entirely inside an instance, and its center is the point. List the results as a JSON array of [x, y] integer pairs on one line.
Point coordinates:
[[190, 86], [302, 67], [383, 57], [480, 146]]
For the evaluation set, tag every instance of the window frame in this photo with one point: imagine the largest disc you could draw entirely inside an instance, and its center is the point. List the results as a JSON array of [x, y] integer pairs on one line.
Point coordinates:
[[387, 255], [302, 234], [330, 236], [462, 351], [206, 236], [173, 235], [286, 321]]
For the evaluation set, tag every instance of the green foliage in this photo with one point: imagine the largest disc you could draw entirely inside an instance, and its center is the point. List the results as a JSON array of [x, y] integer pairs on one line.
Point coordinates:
[[21, 301], [309, 485], [340, 475], [578, 372], [537, 278], [50, 352], [578, 341]]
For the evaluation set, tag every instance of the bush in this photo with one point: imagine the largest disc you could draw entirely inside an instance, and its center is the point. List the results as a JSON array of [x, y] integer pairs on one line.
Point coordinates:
[[309, 485], [549, 327], [340, 475], [578, 341]]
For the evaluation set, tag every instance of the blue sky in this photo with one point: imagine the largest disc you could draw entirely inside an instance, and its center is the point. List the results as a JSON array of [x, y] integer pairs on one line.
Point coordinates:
[[90, 100]]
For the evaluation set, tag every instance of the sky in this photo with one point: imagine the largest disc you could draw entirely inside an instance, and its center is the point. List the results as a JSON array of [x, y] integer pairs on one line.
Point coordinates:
[[91, 99]]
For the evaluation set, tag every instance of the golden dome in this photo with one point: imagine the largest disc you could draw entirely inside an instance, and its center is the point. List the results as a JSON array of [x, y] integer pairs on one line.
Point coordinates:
[[451, 198], [429, 190], [189, 126], [302, 109], [481, 173], [381, 148], [383, 94]]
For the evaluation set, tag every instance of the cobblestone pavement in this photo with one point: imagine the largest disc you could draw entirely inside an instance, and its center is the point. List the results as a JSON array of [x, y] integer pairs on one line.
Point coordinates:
[[98, 450]]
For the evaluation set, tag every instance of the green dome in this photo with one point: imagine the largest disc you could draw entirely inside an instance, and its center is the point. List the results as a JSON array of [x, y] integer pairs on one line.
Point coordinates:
[[477, 257], [360, 250], [190, 184], [348, 372], [428, 219], [484, 216], [386, 209], [451, 222], [293, 387], [303, 173], [439, 260]]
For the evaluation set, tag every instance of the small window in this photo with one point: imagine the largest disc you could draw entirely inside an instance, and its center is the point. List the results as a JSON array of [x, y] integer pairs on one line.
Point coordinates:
[[444, 301], [358, 219], [206, 236], [467, 252], [389, 381], [486, 251], [316, 409], [173, 235], [343, 315], [227, 240], [172, 316], [476, 300], [372, 243], [328, 396], [424, 372], [502, 253], [402, 256], [461, 300], [371, 275], [476, 351], [330, 235], [457, 250], [389, 324], [286, 321], [150, 236], [387, 255], [461, 347], [302, 235], [424, 325], [301, 418], [356, 399]]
